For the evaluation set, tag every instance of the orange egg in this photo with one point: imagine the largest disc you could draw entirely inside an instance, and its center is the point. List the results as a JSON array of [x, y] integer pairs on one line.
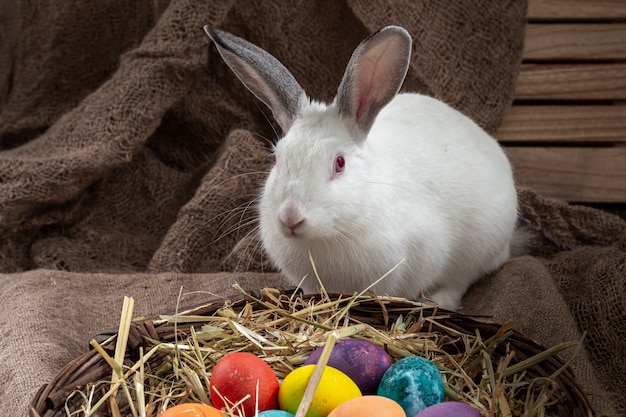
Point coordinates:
[[368, 406], [192, 410]]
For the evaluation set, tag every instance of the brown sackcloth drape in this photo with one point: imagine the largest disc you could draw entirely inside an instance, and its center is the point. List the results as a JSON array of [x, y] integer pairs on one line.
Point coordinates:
[[130, 158]]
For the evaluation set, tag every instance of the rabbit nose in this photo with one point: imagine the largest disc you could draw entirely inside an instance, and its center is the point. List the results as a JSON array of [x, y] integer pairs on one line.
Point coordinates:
[[291, 216]]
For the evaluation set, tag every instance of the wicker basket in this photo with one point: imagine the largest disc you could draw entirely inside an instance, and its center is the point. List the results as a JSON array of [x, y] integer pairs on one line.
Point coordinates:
[[52, 399]]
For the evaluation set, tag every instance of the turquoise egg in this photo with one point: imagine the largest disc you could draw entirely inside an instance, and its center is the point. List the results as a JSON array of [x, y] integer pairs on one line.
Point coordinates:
[[413, 382], [275, 413]]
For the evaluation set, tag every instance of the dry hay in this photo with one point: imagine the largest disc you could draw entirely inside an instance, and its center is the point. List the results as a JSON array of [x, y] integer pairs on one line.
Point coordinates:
[[169, 361]]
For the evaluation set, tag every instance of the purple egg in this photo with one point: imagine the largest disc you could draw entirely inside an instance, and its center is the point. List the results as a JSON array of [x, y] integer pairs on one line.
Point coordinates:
[[449, 409], [363, 361]]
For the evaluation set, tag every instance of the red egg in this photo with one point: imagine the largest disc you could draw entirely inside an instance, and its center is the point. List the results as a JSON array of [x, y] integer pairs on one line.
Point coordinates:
[[239, 374]]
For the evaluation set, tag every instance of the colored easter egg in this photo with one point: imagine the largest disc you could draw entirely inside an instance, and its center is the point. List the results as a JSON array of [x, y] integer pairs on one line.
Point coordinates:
[[275, 413], [334, 388], [413, 382], [363, 361], [192, 410], [239, 374], [449, 409], [368, 406]]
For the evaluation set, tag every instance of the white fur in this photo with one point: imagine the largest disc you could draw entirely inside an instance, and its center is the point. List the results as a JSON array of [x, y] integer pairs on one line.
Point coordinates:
[[428, 185], [422, 182]]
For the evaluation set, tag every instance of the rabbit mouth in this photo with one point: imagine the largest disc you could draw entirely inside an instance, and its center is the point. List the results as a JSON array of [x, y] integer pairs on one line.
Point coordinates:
[[291, 231]]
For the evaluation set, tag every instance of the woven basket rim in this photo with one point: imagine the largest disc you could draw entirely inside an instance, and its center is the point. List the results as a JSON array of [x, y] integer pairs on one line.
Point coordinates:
[[91, 367]]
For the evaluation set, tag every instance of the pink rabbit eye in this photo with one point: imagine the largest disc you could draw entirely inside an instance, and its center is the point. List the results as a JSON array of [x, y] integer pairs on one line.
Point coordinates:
[[340, 165]]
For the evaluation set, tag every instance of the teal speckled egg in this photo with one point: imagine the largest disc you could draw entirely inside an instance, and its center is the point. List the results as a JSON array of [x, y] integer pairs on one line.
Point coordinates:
[[413, 382]]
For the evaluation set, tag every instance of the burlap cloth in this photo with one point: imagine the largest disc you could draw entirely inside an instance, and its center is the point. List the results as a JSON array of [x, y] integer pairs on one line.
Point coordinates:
[[129, 158]]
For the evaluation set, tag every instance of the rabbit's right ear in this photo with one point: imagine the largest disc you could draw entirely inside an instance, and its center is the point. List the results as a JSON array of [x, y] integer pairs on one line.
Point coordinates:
[[373, 77], [264, 75]]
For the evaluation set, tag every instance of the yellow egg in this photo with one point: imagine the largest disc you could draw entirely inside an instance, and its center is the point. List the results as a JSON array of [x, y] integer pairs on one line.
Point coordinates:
[[369, 406], [334, 388]]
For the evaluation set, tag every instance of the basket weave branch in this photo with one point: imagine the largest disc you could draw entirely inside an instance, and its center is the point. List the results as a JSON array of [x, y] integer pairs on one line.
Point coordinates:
[[447, 334]]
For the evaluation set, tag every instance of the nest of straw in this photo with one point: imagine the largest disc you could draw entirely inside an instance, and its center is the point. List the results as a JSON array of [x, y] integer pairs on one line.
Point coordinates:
[[146, 366]]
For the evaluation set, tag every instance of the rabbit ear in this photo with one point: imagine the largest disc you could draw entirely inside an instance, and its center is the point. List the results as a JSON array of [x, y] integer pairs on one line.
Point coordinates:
[[373, 77], [262, 74]]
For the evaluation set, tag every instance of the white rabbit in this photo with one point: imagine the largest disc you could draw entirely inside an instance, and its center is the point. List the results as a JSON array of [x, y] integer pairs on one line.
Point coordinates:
[[376, 177]]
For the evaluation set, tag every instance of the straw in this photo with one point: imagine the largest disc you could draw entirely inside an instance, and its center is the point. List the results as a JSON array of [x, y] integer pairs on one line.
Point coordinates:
[[489, 366]]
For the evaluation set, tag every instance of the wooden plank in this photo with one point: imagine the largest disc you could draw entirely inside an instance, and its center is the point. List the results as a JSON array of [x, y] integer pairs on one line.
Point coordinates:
[[572, 82], [576, 9], [567, 124], [575, 41], [575, 174]]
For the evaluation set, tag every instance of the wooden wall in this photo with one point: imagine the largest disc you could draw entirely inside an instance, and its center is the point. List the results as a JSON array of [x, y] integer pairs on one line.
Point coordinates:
[[566, 133]]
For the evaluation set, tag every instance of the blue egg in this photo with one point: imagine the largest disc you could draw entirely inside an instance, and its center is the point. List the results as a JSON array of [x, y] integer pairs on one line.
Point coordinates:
[[413, 382], [275, 413]]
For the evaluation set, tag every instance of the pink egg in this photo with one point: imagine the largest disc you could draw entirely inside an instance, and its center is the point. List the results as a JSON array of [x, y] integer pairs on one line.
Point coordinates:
[[368, 406], [449, 409]]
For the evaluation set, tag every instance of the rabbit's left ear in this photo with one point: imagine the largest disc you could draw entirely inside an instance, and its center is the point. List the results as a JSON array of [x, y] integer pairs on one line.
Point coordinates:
[[264, 75], [373, 77]]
